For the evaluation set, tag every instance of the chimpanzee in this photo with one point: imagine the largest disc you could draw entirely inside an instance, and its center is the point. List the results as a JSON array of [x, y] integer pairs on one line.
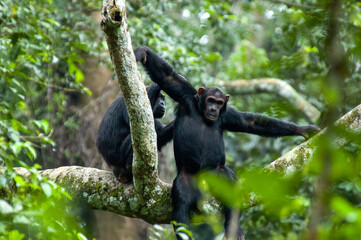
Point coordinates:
[[201, 118], [114, 140]]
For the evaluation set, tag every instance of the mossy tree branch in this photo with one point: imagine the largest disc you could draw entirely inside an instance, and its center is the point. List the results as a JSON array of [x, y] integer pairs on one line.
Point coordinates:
[[100, 190], [298, 156]]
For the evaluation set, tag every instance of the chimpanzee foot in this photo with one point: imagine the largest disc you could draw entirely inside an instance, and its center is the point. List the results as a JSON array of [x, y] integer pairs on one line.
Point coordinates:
[[123, 179]]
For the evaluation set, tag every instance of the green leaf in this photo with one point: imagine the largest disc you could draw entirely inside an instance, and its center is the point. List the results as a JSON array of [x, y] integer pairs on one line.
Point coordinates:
[[19, 181], [87, 90], [81, 236], [31, 150], [73, 69], [81, 46], [48, 141], [15, 50], [16, 125], [53, 22], [45, 24], [42, 124], [222, 188], [231, 17], [15, 235], [16, 148], [5, 207], [158, 227], [21, 219], [37, 166], [21, 105], [3, 181], [79, 76], [345, 209], [46, 189]]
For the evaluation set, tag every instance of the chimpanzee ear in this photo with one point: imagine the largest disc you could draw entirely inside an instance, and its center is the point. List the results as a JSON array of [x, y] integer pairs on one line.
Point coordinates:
[[200, 91], [227, 97]]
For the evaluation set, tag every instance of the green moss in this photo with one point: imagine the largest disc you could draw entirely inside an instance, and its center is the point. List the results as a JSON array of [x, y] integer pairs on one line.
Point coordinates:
[[122, 206], [113, 201], [144, 211], [95, 200], [133, 203]]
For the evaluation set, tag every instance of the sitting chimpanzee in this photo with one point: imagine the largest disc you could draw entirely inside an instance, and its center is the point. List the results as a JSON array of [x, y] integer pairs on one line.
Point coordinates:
[[114, 140], [201, 118]]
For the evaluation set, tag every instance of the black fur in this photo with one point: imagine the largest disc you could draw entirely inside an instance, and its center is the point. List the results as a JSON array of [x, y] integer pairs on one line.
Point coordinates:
[[114, 140], [198, 142]]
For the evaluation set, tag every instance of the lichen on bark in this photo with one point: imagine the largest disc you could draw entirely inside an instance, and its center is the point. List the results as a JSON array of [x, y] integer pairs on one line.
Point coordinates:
[[301, 154]]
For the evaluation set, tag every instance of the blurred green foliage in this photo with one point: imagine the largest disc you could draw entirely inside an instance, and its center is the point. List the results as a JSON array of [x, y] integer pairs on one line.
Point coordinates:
[[42, 48]]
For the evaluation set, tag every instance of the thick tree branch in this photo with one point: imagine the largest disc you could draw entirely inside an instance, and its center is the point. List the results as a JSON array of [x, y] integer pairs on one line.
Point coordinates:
[[114, 24], [275, 86], [100, 190], [298, 156]]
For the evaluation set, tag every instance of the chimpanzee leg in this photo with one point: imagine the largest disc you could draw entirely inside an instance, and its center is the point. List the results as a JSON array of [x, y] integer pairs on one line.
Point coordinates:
[[128, 152], [123, 167], [228, 211], [184, 199]]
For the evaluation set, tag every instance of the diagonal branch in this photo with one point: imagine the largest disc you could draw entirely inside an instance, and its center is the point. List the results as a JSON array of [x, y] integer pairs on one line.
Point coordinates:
[[275, 86], [299, 156]]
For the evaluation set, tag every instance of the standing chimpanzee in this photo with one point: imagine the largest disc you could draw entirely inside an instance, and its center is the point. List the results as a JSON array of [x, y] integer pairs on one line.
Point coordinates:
[[201, 118], [114, 140]]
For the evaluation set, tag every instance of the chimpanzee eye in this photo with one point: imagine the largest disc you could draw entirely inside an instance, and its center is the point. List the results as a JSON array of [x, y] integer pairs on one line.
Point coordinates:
[[211, 100]]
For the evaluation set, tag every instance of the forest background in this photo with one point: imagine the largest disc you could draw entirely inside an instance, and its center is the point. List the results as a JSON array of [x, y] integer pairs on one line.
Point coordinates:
[[56, 82]]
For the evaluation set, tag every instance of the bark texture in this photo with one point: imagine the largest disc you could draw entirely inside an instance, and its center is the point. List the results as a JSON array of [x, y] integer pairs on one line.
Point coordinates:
[[99, 189], [298, 156], [114, 24]]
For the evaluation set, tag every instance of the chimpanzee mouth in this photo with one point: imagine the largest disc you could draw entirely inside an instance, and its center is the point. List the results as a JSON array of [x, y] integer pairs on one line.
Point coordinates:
[[211, 117], [162, 112]]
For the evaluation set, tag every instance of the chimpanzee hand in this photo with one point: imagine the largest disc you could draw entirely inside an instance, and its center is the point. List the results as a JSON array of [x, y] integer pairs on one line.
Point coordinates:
[[141, 54], [309, 131]]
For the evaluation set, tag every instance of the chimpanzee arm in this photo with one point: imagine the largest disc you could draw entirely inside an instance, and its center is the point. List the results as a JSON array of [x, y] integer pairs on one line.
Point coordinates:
[[164, 133], [235, 121], [162, 73]]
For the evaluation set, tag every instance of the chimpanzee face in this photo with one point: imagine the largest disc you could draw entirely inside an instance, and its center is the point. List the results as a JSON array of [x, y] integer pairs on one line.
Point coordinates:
[[213, 107], [159, 107], [212, 101]]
